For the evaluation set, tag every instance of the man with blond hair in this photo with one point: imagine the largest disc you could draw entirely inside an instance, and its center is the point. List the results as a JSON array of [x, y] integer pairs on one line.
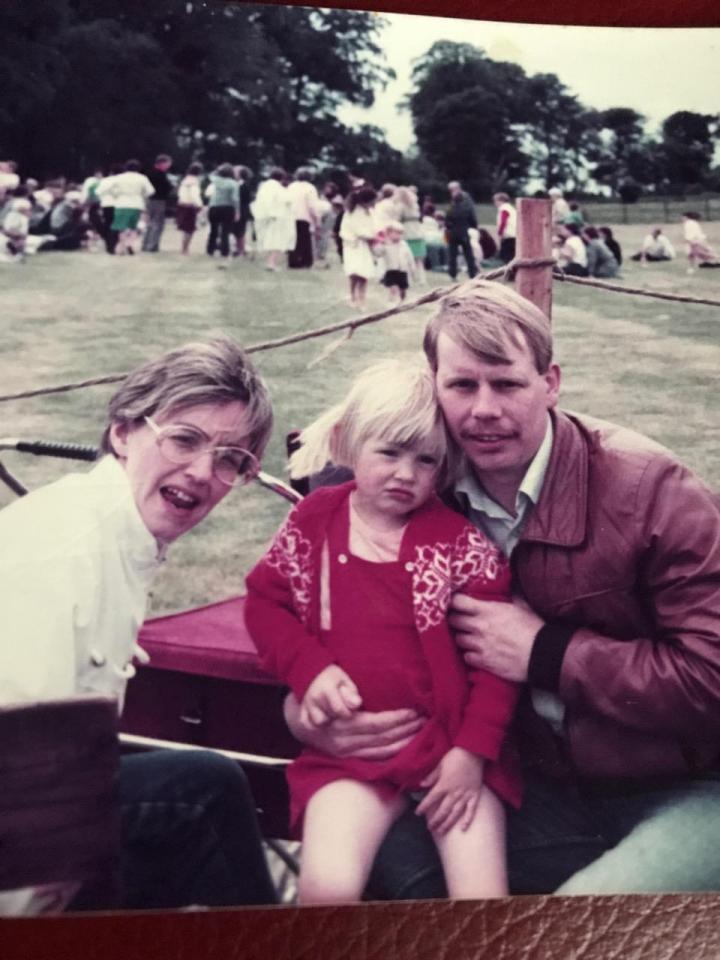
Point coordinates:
[[615, 627]]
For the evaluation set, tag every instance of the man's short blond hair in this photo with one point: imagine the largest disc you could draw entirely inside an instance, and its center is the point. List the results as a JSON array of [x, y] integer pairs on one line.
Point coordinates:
[[486, 318]]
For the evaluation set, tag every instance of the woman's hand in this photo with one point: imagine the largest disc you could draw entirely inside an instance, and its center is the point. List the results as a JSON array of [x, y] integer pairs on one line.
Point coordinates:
[[363, 735], [332, 694], [455, 786]]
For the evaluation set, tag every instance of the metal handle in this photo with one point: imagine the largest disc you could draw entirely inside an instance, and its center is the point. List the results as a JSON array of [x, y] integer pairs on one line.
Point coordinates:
[[68, 451]]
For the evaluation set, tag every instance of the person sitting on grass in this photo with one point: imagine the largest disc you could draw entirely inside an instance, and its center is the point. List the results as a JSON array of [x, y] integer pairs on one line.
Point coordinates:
[[572, 256], [76, 565], [655, 248], [348, 608], [600, 261], [612, 244], [15, 228]]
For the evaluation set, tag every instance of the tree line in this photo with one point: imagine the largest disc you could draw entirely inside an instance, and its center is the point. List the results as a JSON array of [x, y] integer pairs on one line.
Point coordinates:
[[90, 82]]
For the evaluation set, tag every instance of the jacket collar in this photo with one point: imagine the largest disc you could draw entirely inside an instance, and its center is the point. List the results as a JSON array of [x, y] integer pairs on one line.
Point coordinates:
[[560, 516]]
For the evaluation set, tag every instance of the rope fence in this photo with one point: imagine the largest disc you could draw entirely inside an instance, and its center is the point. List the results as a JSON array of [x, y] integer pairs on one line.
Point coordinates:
[[432, 296]]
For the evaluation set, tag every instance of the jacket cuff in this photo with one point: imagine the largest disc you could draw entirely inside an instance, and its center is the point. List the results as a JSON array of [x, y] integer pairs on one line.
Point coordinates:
[[548, 652]]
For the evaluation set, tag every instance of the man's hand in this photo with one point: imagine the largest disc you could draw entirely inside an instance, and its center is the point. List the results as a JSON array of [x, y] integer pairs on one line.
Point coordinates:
[[365, 736], [455, 786], [332, 694], [495, 636]]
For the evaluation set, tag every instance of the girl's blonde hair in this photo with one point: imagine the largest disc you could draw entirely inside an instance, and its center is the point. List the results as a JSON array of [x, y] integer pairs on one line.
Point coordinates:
[[393, 400]]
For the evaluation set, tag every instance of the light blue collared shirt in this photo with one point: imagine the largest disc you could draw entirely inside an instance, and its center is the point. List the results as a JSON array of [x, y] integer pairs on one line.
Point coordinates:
[[504, 530], [502, 527]]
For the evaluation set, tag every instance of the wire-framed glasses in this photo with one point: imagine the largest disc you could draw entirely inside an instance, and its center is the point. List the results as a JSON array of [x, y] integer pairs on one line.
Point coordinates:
[[182, 444]]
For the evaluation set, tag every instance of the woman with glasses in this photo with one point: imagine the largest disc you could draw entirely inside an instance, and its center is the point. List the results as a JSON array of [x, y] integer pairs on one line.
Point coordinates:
[[182, 431]]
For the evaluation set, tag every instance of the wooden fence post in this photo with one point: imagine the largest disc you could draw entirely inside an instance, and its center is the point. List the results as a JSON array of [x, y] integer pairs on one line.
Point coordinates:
[[535, 242]]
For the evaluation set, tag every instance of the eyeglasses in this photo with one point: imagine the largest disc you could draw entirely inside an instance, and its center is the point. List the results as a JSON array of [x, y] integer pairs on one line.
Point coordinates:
[[233, 466]]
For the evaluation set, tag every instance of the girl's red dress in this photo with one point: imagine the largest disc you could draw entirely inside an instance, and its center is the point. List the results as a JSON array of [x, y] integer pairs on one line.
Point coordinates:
[[388, 631]]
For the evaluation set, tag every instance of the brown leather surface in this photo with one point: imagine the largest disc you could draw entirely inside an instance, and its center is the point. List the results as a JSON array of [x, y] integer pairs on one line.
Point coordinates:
[[626, 13], [521, 928]]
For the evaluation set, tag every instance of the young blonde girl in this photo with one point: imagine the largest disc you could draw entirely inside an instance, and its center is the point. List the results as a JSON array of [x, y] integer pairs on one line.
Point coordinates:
[[348, 608]]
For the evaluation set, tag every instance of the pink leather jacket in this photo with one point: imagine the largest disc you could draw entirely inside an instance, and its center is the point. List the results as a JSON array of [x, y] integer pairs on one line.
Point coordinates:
[[622, 557]]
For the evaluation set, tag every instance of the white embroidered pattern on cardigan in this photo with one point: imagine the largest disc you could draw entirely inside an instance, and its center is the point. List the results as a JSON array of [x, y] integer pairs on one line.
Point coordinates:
[[291, 556], [441, 569]]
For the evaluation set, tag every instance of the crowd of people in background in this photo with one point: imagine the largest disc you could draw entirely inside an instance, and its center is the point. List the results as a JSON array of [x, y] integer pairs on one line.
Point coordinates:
[[391, 234]]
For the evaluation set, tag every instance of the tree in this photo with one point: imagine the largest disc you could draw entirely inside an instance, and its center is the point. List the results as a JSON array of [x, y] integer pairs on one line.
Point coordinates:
[[687, 148], [245, 83], [626, 159], [468, 113], [561, 133]]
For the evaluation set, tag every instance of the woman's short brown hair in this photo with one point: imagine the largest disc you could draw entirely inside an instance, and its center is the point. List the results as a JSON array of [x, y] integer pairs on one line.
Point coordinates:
[[214, 371]]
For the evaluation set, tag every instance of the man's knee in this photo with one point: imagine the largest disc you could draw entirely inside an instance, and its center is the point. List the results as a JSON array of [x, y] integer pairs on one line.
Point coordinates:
[[407, 866]]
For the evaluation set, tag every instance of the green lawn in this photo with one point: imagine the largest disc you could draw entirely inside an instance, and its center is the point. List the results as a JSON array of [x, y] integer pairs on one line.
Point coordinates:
[[648, 364]]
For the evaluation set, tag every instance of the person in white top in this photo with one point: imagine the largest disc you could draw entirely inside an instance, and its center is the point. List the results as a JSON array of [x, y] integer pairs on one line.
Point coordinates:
[[131, 191], [560, 206], [304, 199], [506, 226], [386, 208], [358, 231], [15, 228], [78, 557], [397, 260], [9, 178], [106, 195], [655, 248], [573, 253], [698, 250], [189, 204], [274, 220]]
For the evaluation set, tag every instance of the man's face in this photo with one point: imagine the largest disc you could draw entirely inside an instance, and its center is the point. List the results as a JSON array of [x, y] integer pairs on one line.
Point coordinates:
[[497, 413], [172, 498]]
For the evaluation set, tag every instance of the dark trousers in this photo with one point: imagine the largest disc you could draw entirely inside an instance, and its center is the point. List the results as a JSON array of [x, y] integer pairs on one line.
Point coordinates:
[[109, 235], [462, 242], [189, 833], [302, 255], [657, 836], [155, 225], [575, 270], [507, 249], [221, 220]]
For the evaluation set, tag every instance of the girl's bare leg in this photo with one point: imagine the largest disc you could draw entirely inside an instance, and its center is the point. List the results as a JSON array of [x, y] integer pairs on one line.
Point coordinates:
[[360, 291], [345, 823], [474, 859], [420, 271], [186, 238]]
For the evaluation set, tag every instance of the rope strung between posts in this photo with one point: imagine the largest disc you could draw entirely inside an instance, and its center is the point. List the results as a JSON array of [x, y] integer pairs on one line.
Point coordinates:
[[505, 273]]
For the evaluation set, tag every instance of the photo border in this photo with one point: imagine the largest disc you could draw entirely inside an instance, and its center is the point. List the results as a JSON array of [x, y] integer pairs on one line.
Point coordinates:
[[526, 928]]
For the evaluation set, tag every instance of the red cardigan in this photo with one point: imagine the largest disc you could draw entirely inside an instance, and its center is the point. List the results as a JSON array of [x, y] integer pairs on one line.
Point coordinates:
[[445, 555]]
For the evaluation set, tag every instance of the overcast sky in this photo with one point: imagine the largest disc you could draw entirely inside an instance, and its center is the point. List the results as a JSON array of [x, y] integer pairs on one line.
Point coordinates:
[[654, 71]]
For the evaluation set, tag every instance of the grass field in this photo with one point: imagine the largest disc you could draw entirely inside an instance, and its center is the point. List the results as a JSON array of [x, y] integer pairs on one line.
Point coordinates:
[[645, 363]]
